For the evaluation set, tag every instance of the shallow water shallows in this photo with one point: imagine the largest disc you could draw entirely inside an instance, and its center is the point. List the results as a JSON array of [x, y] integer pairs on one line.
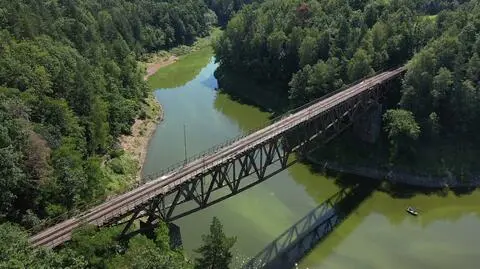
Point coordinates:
[[379, 234]]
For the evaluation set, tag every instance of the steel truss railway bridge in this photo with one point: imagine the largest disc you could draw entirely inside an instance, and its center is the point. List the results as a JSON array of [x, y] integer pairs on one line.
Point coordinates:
[[233, 168]]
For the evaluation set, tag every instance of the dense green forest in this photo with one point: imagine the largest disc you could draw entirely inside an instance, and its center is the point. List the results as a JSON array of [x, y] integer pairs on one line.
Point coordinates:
[[311, 48], [225, 9], [71, 86], [318, 46], [442, 86], [91, 247]]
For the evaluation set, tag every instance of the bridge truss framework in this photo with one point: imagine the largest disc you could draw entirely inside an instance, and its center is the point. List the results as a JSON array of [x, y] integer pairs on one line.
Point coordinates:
[[253, 166], [231, 169]]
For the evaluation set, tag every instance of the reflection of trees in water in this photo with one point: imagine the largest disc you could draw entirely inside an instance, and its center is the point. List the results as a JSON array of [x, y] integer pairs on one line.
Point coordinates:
[[388, 201], [433, 208], [391, 201], [247, 117], [432, 205], [243, 89]]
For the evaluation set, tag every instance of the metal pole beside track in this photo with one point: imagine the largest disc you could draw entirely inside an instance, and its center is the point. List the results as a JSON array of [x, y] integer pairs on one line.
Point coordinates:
[[185, 141]]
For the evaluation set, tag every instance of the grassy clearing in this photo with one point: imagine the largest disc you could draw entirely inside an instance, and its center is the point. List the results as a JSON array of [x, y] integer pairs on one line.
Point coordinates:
[[430, 17]]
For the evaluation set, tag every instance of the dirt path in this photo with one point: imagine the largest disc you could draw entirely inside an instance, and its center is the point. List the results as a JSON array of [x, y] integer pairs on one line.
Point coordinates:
[[152, 68]]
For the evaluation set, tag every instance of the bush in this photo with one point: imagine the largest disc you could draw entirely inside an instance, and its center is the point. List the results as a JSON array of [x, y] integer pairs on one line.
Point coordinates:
[[115, 153], [143, 115], [117, 166]]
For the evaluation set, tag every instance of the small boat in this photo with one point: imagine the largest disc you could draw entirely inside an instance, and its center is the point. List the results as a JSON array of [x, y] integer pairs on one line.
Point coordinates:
[[412, 211]]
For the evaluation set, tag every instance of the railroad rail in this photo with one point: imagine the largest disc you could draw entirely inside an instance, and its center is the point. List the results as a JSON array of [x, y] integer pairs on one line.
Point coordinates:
[[231, 166]]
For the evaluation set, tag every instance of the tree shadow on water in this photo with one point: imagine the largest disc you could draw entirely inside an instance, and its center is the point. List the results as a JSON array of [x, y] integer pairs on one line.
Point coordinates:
[[402, 191], [342, 180], [461, 191], [245, 101], [405, 191], [243, 88]]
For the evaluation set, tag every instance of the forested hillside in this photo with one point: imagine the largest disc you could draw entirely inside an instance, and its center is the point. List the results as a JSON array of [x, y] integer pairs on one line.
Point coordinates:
[[317, 46], [442, 89], [225, 9], [442, 86], [91, 247], [70, 86]]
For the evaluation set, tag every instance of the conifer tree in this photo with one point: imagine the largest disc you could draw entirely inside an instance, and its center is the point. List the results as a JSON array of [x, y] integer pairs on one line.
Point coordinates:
[[216, 247]]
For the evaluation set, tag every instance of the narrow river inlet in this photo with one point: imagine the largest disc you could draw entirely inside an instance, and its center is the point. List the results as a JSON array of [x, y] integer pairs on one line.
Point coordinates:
[[378, 234]]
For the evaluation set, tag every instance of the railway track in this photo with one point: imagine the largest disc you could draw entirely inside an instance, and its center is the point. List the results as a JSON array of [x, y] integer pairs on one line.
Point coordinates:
[[128, 201]]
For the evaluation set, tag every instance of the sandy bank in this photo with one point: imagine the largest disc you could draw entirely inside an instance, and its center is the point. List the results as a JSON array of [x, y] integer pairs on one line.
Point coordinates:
[[143, 129], [152, 68]]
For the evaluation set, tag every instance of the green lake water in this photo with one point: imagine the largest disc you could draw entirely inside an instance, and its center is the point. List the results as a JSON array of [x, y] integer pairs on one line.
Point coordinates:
[[378, 234]]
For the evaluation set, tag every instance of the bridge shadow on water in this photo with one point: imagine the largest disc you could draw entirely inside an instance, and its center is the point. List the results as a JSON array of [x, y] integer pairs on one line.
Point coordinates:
[[304, 235]]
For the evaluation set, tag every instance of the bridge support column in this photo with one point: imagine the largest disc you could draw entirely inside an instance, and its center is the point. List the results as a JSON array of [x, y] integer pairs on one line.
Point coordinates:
[[175, 236], [147, 229], [302, 155], [368, 126]]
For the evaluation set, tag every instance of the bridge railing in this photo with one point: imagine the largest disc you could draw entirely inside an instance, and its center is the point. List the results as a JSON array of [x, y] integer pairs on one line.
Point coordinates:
[[330, 94], [79, 209], [217, 147]]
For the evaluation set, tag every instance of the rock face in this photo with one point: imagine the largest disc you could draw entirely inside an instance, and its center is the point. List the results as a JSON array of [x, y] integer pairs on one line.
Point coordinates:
[[368, 126]]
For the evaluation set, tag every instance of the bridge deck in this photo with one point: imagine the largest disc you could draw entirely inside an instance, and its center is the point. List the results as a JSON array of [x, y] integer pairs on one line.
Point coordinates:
[[126, 202]]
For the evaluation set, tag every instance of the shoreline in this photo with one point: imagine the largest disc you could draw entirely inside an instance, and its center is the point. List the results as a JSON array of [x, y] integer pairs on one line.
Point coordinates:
[[152, 68], [392, 175], [399, 177], [143, 129]]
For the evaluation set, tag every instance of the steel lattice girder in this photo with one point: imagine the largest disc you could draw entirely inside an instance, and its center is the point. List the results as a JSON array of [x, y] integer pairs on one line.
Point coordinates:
[[231, 174], [330, 123]]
